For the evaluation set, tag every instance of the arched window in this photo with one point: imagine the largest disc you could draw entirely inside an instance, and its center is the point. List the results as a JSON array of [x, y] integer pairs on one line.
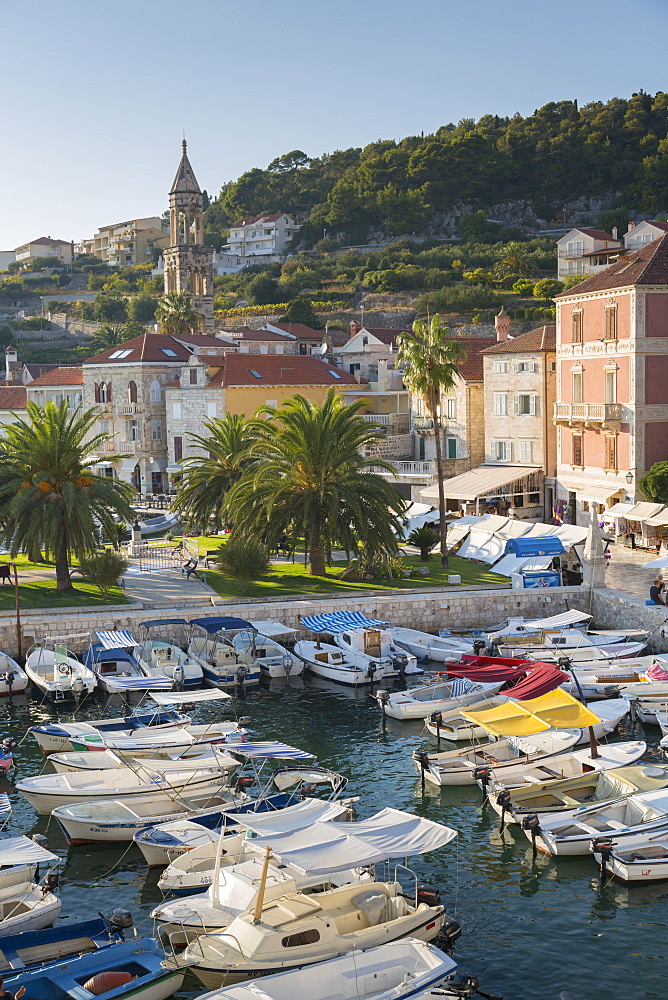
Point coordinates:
[[155, 393], [102, 392], [132, 392]]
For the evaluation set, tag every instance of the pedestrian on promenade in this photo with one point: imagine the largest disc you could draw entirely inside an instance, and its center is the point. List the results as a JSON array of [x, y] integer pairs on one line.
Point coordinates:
[[656, 590]]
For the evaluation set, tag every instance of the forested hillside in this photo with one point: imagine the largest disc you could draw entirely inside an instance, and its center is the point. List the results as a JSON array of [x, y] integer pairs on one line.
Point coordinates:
[[617, 151]]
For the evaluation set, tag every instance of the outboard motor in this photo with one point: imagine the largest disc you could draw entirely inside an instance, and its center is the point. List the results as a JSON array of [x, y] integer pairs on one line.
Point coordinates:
[[383, 698], [77, 686], [242, 672], [449, 933], [179, 677], [532, 824], [243, 782], [308, 789], [288, 664], [482, 775], [503, 800], [40, 839], [426, 894], [604, 847], [119, 921], [372, 670], [400, 661], [479, 646], [51, 882]]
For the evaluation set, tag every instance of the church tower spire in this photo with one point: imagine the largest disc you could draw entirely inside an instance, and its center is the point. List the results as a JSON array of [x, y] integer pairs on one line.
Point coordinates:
[[188, 263]]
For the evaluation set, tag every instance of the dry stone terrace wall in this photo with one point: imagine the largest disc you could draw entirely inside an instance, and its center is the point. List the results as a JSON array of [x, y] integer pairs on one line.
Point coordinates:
[[463, 608]]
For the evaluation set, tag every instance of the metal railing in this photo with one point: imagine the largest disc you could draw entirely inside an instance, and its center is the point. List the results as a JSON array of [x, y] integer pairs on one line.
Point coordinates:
[[124, 409], [422, 469], [588, 412]]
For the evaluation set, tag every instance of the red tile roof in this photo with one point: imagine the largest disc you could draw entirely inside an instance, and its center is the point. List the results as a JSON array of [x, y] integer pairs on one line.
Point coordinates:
[[72, 375], [247, 333], [13, 397], [646, 266], [47, 241], [300, 330], [277, 369], [596, 234], [543, 338], [471, 368], [651, 222]]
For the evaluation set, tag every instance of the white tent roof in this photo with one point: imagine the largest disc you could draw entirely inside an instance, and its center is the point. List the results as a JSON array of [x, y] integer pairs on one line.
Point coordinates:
[[658, 520], [482, 545], [617, 510], [557, 621], [271, 628], [289, 819], [514, 528], [23, 851], [476, 482], [189, 697], [511, 564], [641, 511], [571, 534], [335, 847]]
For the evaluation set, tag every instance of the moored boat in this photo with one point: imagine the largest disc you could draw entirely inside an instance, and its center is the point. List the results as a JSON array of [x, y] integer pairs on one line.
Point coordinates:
[[437, 696], [58, 674], [423, 645], [57, 737], [13, 679], [224, 665], [26, 906]]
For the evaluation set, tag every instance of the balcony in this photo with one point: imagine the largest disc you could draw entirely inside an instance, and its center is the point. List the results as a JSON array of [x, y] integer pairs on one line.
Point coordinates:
[[421, 423], [126, 409], [418, 470], [128, 447], [396, 423], [587, 413]]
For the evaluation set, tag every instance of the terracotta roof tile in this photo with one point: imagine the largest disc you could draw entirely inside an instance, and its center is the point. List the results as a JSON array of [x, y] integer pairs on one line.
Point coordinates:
[[278, 369], [596, 234], [72, 375], [646, 266], [471, 368], [543, 338], [248, 333], [13, 397]]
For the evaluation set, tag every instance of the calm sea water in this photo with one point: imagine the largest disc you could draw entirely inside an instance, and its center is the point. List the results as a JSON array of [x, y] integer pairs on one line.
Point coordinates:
[[531, 928]]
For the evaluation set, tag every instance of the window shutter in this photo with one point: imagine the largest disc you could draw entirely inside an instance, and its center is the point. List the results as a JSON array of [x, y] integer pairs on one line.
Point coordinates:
[[97, 393], [108, 392], [509, 451], [533, 408], [516, 400]]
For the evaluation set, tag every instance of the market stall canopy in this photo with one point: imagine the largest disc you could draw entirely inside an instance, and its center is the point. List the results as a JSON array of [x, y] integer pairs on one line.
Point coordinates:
[[478, 482], [335, 847], [190, 697], [546, 545], [555, 710], [617, 510], [643, 510], [340, 621], [659, 520]]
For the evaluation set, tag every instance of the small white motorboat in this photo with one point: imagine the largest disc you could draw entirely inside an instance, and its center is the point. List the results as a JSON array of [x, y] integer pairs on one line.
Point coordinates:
[[261, 644], [58, 674], [58, 737], [437, 696], [330, 663], [224, 665], [159, 658], [392, 971], [564, 765], [619, 681], [645, 862], [627, 822], [365, 642], [49, 791], [13, 679], [115, 820], [423, 645], [20, 861], [27, 906]]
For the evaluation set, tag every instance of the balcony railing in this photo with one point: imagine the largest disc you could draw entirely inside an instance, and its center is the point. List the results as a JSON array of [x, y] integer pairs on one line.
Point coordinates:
[[419, 470], [126, 409], [587, 413], [421, 423], [128, 447]]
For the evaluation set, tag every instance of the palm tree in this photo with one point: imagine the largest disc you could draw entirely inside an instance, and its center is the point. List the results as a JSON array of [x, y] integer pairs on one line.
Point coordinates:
[[431, 358], [107, 337], [176, 314], [307, 469], [204, 481], [49, 496], [514, 261]]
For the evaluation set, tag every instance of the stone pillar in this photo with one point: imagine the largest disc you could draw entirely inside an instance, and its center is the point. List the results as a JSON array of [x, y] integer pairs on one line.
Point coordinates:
[[136, 539], [593, 568], [502, 324]]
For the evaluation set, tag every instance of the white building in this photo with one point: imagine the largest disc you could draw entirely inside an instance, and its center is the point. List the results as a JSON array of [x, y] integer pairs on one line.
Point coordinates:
[[130, 242], [644, 232], [586, 251], [46, 247], [266, 237], [7, 257]]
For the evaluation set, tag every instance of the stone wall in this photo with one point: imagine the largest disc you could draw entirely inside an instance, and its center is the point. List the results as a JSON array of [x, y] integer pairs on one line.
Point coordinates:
[[391, 446], [457, 608], [617, 609]]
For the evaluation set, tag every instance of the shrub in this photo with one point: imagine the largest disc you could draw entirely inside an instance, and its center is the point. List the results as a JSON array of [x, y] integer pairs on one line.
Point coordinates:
[[547, 288], [423, 539], [456, 298], [243, 559], [103, 569], [523, 287]]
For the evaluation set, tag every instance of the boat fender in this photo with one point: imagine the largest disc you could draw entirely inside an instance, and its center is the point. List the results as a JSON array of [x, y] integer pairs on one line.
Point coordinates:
[[532, 824], [449, 933], [241, 674], [426, 894], [104, 982], [120, 919]]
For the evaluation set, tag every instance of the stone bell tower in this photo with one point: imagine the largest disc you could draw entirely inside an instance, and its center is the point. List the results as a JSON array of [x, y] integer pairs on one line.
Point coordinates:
[[188, 263]]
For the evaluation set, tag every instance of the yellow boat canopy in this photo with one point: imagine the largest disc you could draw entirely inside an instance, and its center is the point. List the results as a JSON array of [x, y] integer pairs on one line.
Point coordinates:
[[557, 709]]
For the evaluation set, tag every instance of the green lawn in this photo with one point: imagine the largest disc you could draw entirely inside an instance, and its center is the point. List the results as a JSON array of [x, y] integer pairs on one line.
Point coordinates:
[[286, 579], [43, 594]]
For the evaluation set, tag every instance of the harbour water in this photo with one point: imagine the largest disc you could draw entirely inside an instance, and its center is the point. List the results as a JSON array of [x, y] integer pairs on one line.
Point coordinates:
[[531, 928]]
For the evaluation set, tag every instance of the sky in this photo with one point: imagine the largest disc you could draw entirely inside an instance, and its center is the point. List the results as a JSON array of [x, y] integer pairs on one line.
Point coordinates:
[[96, 96]]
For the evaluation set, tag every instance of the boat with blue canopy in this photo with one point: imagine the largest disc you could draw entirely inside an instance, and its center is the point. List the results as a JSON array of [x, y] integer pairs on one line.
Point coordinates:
[[212, 645], [363, 651]]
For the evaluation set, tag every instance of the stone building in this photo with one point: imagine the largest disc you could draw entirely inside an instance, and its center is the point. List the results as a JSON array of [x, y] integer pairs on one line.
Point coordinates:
[[188, 264], [208, 387], [519, 396]]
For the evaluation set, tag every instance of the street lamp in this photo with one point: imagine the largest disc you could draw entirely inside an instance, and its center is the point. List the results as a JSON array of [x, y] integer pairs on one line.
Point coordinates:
[[629, 477]]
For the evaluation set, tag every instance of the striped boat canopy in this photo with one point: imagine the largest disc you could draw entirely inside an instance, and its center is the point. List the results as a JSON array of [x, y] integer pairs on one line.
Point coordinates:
[[119, 639], [270, 749], [5, 804], [339, 621], [138, 683]]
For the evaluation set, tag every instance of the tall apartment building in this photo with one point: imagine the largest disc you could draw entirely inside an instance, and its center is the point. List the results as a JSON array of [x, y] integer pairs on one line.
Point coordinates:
[[266, 236], [130, 242]]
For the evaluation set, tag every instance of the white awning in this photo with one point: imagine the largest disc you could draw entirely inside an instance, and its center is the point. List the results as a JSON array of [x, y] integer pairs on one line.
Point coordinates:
[[335, 847], [482, 545], [659, 520], [515, 528], [485, 479], [23, 851], [571, 534], [557, 621], [492, 522], [271, 628], [126, 468], [157, 465], [189, 697], [641, 511], [593, 494], [174, 468], [617, 510], [511, 564], [289, 819]]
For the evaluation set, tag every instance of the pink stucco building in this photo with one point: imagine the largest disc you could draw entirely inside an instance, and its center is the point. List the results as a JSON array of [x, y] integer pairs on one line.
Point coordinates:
[[612, 380]]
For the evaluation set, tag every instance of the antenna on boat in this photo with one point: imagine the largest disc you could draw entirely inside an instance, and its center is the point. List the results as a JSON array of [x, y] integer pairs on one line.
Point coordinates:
[[263, 883]]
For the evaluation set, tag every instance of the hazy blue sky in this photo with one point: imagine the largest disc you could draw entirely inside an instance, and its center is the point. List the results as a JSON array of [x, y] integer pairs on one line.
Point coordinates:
[[95, 95]]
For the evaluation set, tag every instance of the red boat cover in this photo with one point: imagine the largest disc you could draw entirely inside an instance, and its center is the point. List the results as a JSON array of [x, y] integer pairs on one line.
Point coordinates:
[[486, 673], [543, 678], [496, 660]]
